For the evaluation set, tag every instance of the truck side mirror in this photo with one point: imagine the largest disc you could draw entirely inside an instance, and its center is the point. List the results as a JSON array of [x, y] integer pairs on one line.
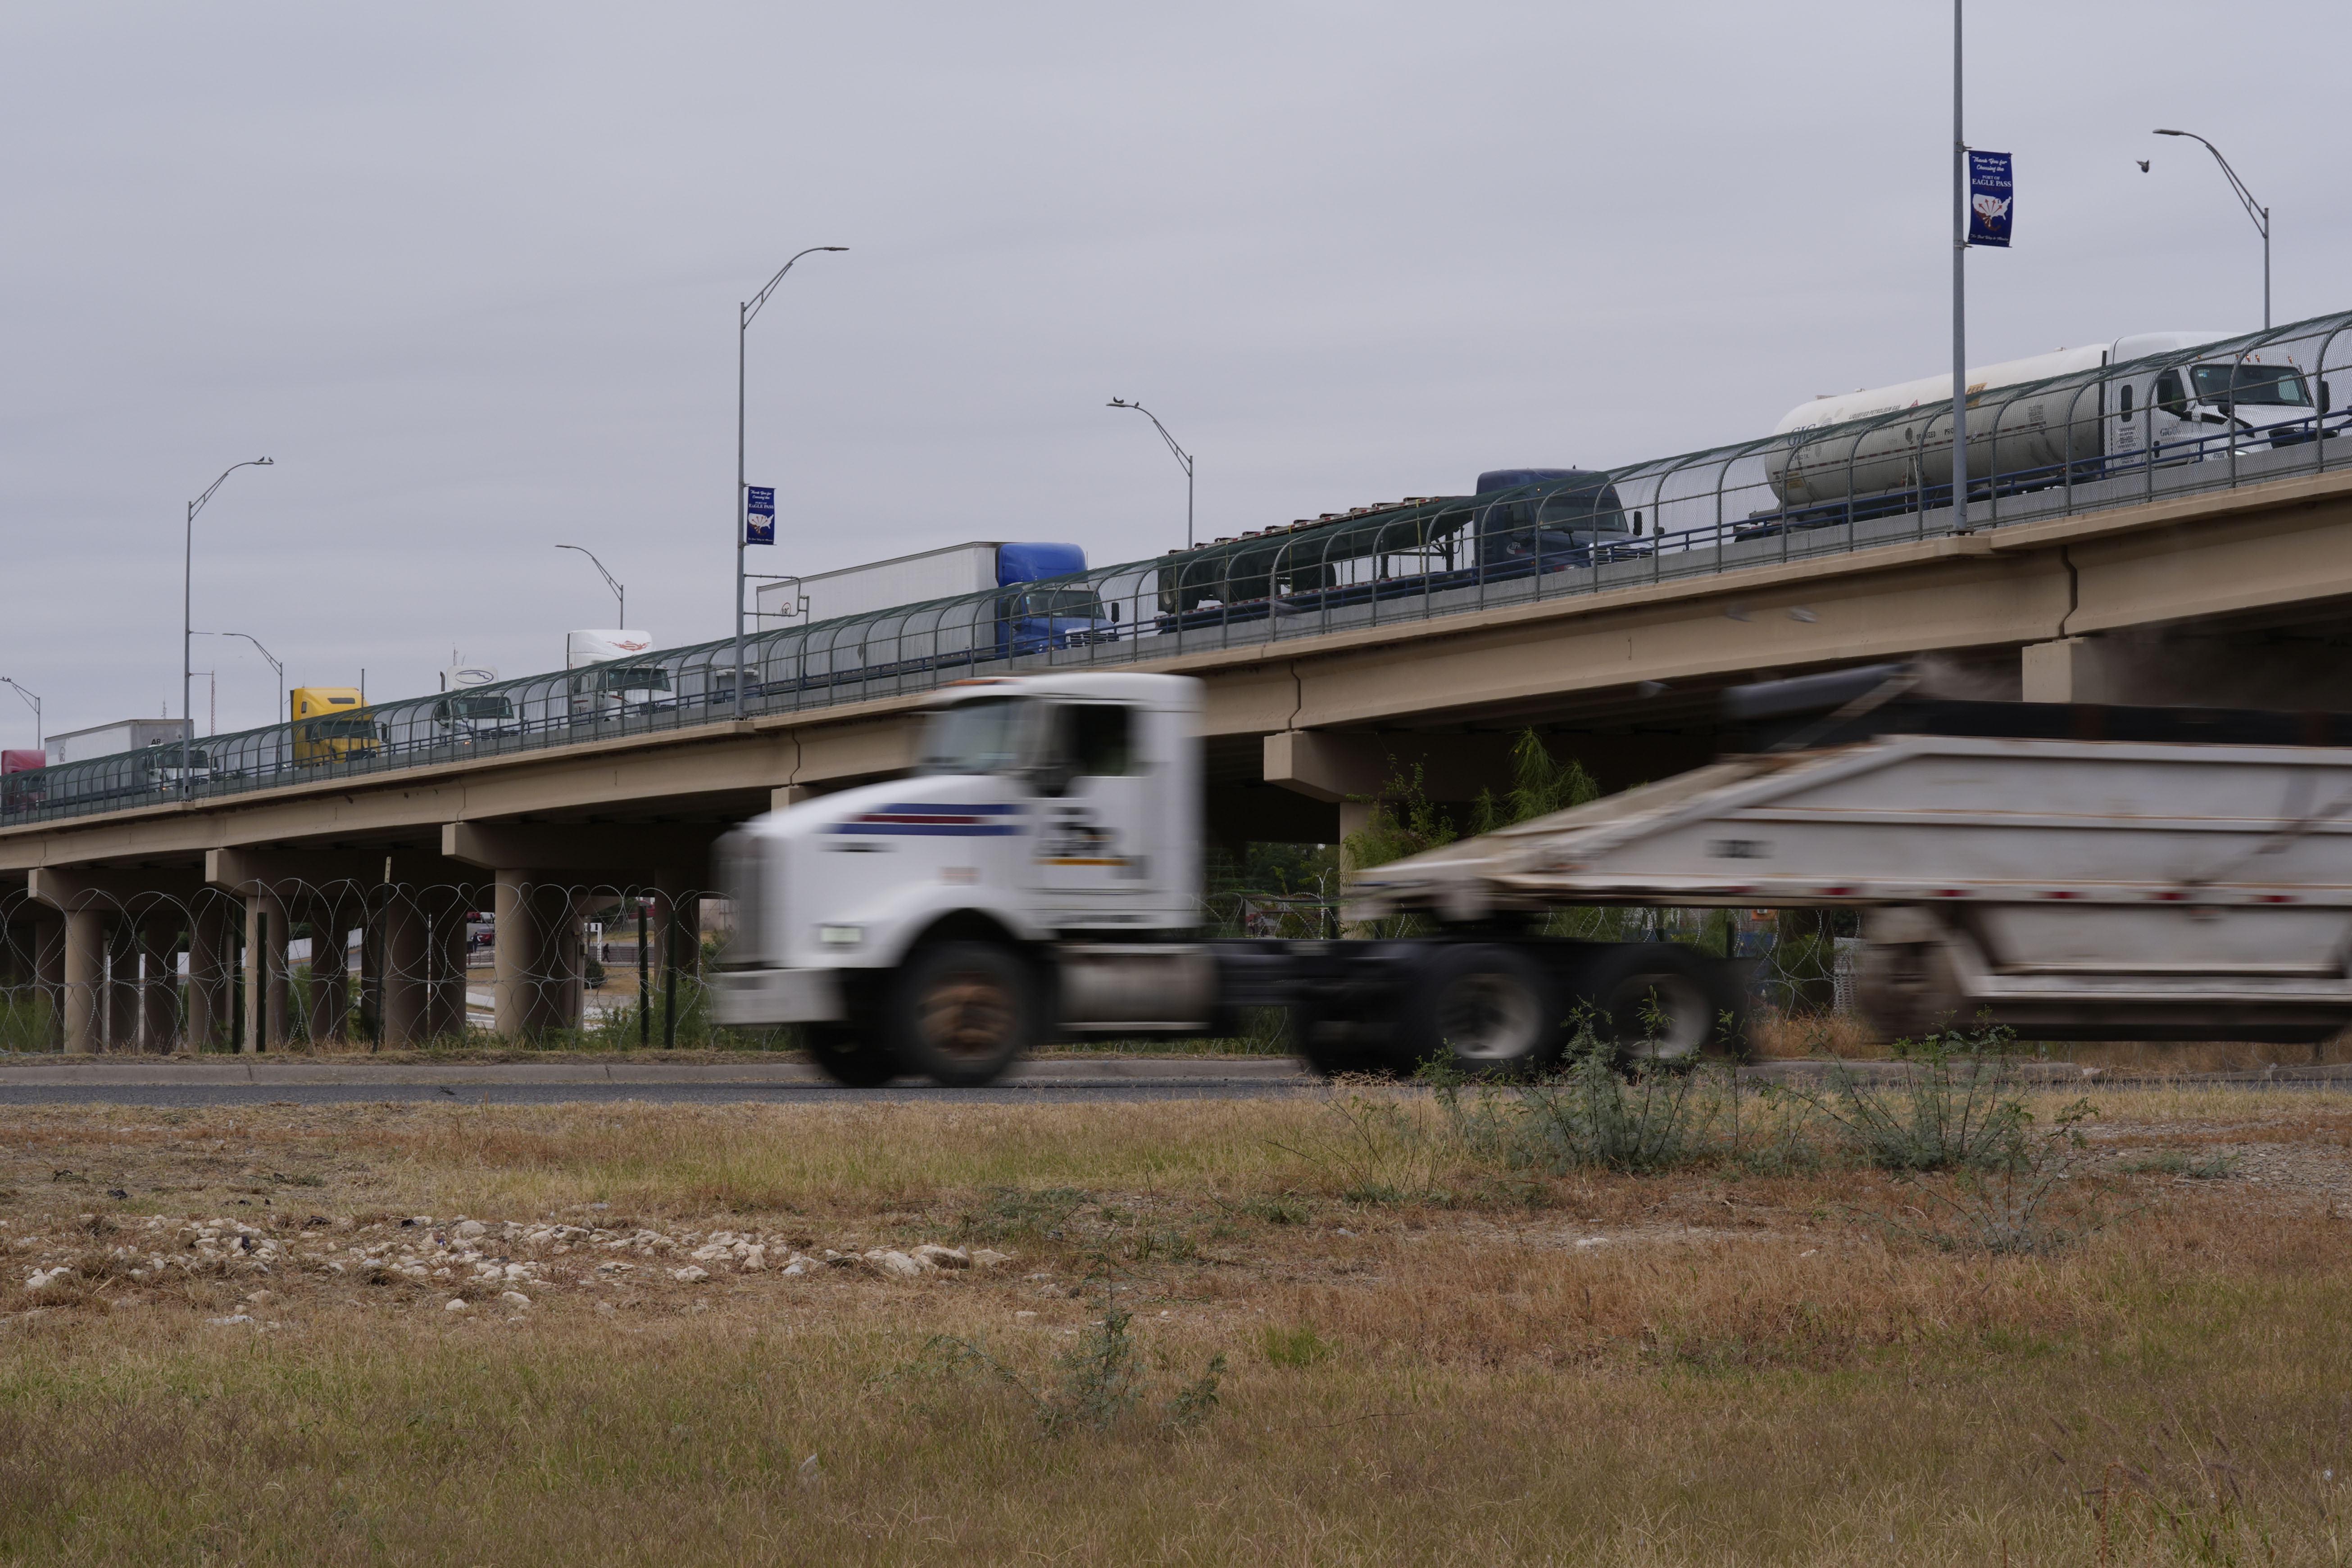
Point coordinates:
[[1114, 608]]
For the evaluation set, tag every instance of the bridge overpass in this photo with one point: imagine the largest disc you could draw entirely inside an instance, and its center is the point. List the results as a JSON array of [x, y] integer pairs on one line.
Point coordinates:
[[2214, 583]]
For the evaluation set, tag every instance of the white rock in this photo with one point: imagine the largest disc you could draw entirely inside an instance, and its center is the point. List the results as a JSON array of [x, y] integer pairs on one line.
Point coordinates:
[[260, 1298], [986, 1257], [232, 1318], [42, 1279], [753, 1258], [1024, 1317], [454, 1304], [798, 1266], [515, 1299], [689, 1274], [518, 1271], [940, 1257], [469, 1229], [709, 1250]]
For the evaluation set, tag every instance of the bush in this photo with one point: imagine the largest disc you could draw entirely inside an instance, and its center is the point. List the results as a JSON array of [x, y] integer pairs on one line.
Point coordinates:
[[1592, 1115], [1957, 1105]]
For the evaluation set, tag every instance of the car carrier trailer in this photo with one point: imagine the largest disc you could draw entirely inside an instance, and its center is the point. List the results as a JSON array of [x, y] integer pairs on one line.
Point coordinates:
[[2074, 872]]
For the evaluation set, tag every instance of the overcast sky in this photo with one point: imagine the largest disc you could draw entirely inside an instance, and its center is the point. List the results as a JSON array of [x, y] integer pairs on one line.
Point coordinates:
[[470, 275]]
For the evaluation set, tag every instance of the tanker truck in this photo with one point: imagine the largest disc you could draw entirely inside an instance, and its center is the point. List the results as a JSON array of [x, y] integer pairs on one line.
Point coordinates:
[[2162, 404], [2104, 873]]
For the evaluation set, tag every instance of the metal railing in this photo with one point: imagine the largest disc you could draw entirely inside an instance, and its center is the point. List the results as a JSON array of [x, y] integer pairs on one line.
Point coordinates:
[[2116, 436]]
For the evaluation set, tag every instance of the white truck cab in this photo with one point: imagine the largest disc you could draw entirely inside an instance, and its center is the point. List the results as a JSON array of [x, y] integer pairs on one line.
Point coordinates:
[[903, 919]]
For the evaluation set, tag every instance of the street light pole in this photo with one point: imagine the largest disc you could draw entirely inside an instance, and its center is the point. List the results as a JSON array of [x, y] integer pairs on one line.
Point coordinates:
[[1959, 299], [743, 314], [1182, 456], [2254, 210], [35, 701], [619, 592], [278, 697], [187, 609]]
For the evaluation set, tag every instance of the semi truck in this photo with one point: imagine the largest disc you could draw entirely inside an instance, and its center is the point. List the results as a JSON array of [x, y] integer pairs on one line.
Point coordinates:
[[607, 675], [1044, 603], [2169, 408], [2073, 871]]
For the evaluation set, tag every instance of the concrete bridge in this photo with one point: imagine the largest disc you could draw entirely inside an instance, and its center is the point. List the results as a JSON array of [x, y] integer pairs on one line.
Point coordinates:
[[2236, 597]]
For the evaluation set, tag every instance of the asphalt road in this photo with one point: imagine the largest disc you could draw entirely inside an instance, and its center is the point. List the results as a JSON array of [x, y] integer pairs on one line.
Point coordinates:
[[162, 1083]]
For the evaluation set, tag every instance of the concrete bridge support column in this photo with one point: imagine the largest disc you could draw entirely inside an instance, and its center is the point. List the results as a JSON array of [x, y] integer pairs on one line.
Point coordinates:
[[329, 1014], [445, 954], [533, 994], [2071, 669], [403, 984], [84, 980], [50, 975], [266, 991], [159, 928], [122, 994], [212, 959]]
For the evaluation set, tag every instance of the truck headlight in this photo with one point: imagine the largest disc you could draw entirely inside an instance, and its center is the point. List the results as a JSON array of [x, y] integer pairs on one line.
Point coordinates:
[[841, 936]]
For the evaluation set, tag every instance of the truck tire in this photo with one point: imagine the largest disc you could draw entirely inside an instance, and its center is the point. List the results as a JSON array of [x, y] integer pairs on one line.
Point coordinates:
[[1482, 1008], [849, 1058], [1660, 1002], [960, 1012]]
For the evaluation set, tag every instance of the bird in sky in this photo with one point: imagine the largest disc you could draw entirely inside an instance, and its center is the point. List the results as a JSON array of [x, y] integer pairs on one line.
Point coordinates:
[[2143, 164]]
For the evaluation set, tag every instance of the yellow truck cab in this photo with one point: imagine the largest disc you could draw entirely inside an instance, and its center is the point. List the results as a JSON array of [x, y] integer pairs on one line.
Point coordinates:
[[330, 726]]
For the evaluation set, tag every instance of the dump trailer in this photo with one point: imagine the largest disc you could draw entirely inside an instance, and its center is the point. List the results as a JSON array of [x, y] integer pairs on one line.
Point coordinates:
[[2071, 871]]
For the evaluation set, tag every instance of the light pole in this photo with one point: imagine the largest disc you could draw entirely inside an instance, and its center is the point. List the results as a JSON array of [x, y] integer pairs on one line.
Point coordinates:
[[2254, 210], [1959, 301], [187, 606], [1182, 456], [35, 701], [743, 314], [619, 592], [278, 697]]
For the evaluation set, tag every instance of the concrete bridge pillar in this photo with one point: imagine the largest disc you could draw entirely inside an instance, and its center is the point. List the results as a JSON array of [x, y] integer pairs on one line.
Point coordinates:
[[537, 973], [158, 927], [50, 975], [212, 962], [84, 980], [327, 1015], [266, 990], [403, 984], [2071, 669], [119, 1028], [446, 952]]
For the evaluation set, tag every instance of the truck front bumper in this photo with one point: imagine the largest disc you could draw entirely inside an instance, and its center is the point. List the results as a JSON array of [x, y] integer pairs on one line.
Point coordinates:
[[778, 996]]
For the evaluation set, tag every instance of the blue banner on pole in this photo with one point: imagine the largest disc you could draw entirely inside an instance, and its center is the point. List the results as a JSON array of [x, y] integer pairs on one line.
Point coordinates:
[[1992, 198], [759, 514]]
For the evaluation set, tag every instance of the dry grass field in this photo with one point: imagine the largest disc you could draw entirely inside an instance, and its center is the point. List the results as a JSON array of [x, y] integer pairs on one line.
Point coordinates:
[[1314, 1330]]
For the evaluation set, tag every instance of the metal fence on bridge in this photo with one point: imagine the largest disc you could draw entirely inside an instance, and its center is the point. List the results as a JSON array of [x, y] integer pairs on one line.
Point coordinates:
[[2245, 411]]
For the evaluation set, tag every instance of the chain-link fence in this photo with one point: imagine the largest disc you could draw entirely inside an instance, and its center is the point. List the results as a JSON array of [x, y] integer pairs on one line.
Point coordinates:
[[2214, 417], [352, 965]]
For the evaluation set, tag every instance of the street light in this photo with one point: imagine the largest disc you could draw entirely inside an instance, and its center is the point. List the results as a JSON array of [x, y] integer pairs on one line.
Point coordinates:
[[618, 592], [187, 608], [35, 701], [743, 314], [2254, 210], [1182, 456], [279, 696]]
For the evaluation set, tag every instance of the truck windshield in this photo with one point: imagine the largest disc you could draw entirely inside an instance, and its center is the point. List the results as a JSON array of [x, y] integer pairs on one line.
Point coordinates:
[[1594, 509], [982, 736], [477, 708], [340, 730], [1058, 603], [2265, 383]]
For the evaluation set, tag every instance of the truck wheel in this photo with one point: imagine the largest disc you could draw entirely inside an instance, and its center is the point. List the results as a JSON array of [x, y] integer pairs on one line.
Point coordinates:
[[1658, 1000], [1481, 1008], [849, 1059], [961, 1012]]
